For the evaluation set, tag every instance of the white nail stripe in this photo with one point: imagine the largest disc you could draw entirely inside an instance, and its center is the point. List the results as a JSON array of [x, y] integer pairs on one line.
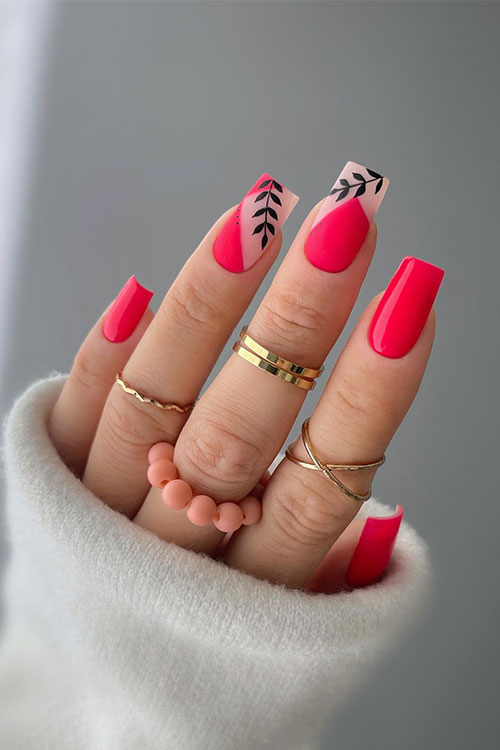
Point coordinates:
[[370, 201]]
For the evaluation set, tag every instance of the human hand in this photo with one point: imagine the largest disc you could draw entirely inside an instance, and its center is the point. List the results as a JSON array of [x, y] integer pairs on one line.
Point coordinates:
[[226, 444]]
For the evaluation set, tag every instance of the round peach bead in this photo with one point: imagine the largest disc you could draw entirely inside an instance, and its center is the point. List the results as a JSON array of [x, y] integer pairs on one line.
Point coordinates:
[[229, 517], [252, 510], [161, 450], [177, 494], [161, 471], [202, 510]]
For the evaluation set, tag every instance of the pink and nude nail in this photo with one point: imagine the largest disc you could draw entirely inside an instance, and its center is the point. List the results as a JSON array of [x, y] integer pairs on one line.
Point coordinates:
[[343, 221], [251, 228]]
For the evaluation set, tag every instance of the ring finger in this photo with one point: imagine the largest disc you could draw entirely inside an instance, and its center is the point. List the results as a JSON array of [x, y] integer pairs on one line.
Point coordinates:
[[369, 392]]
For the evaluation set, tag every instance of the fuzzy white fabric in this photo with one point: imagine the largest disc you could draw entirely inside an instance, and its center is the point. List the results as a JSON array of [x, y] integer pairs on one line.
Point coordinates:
[[117, 640]]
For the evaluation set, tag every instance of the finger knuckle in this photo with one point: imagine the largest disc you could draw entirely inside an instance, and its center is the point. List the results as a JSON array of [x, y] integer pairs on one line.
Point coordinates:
[[218, 456], [303, 516], [294, 321], [86, 373], [193, 307], [354, 402], [130, 430]]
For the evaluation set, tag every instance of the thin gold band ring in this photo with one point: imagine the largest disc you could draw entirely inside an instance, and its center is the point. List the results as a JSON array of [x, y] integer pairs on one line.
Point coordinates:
[[275, 359], [263, 364], [127, 388], [328, 469]]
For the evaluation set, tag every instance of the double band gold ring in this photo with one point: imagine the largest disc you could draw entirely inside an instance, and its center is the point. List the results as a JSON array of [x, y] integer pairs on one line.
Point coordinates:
[[257, 355]]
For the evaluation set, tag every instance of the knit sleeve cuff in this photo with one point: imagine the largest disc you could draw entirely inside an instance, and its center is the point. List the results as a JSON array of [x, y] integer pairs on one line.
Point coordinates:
[[187, 649]]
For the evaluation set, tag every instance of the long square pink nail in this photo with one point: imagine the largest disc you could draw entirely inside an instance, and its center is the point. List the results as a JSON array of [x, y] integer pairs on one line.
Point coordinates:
[[250, 230], [404, 308], [126, 311], [344, 218]]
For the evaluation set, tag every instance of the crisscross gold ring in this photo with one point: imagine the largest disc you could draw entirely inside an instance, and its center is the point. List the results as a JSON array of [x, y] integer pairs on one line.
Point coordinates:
[[327, 469]]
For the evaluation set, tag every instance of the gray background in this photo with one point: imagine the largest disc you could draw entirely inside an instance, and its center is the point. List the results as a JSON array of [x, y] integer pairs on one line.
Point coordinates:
[[156, 117]]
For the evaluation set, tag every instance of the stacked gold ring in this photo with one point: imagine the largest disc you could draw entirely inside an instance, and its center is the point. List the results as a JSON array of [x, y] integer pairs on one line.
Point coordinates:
[[256, 354], [327, 469], [275, 359]]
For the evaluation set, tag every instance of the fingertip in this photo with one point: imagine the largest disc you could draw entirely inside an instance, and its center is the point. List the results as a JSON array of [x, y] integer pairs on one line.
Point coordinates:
[[404, 309]]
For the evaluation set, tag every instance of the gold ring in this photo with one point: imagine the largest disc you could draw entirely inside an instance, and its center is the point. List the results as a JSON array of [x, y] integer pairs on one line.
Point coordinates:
[[328, 469], [149, 399], [263, 364], [275, 359]]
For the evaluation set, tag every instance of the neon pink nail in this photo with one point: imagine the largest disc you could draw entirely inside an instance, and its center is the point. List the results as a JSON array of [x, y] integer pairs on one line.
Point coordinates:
[[126, 311], [344, 218], [251, 228], [374, 549], [404, 308]]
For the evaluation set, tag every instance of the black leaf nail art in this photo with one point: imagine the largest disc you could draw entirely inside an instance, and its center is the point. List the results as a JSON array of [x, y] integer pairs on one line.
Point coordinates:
[[360, 186], [267, 211]]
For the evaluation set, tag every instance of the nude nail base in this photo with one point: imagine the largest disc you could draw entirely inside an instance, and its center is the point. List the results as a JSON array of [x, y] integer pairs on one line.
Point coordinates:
[[252, 226], [344, 218]]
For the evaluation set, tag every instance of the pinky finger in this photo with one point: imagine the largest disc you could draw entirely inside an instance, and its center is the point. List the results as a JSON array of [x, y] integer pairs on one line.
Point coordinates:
[[104, 352], [360, 555]]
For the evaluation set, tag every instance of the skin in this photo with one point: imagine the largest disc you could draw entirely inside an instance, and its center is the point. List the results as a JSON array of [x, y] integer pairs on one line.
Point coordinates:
[[242, 420]]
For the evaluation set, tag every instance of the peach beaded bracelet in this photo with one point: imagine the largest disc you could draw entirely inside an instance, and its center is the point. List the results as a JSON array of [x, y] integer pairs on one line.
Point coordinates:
[[201, 510]]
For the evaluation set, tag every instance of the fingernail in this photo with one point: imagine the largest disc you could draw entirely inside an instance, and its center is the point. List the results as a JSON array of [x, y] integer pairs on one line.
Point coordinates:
[[126, 311], [344, 218], [404, 308], [250, 230], [374, 549]]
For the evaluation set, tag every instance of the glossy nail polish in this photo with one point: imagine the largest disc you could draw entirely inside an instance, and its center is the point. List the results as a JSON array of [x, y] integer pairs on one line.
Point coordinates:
[[404, 308], [344, 218], [126, 311], [374, 549], [250, 230]]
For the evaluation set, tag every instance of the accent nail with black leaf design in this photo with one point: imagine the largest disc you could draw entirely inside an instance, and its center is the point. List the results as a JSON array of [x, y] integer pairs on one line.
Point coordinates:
[[250, 230], [344, 218]]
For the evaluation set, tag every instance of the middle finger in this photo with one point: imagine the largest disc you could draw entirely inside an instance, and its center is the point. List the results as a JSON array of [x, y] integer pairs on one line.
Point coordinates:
[[242, 420]]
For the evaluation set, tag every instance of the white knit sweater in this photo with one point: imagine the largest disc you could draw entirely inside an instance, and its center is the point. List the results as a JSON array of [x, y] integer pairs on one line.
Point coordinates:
[[117, 640]]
